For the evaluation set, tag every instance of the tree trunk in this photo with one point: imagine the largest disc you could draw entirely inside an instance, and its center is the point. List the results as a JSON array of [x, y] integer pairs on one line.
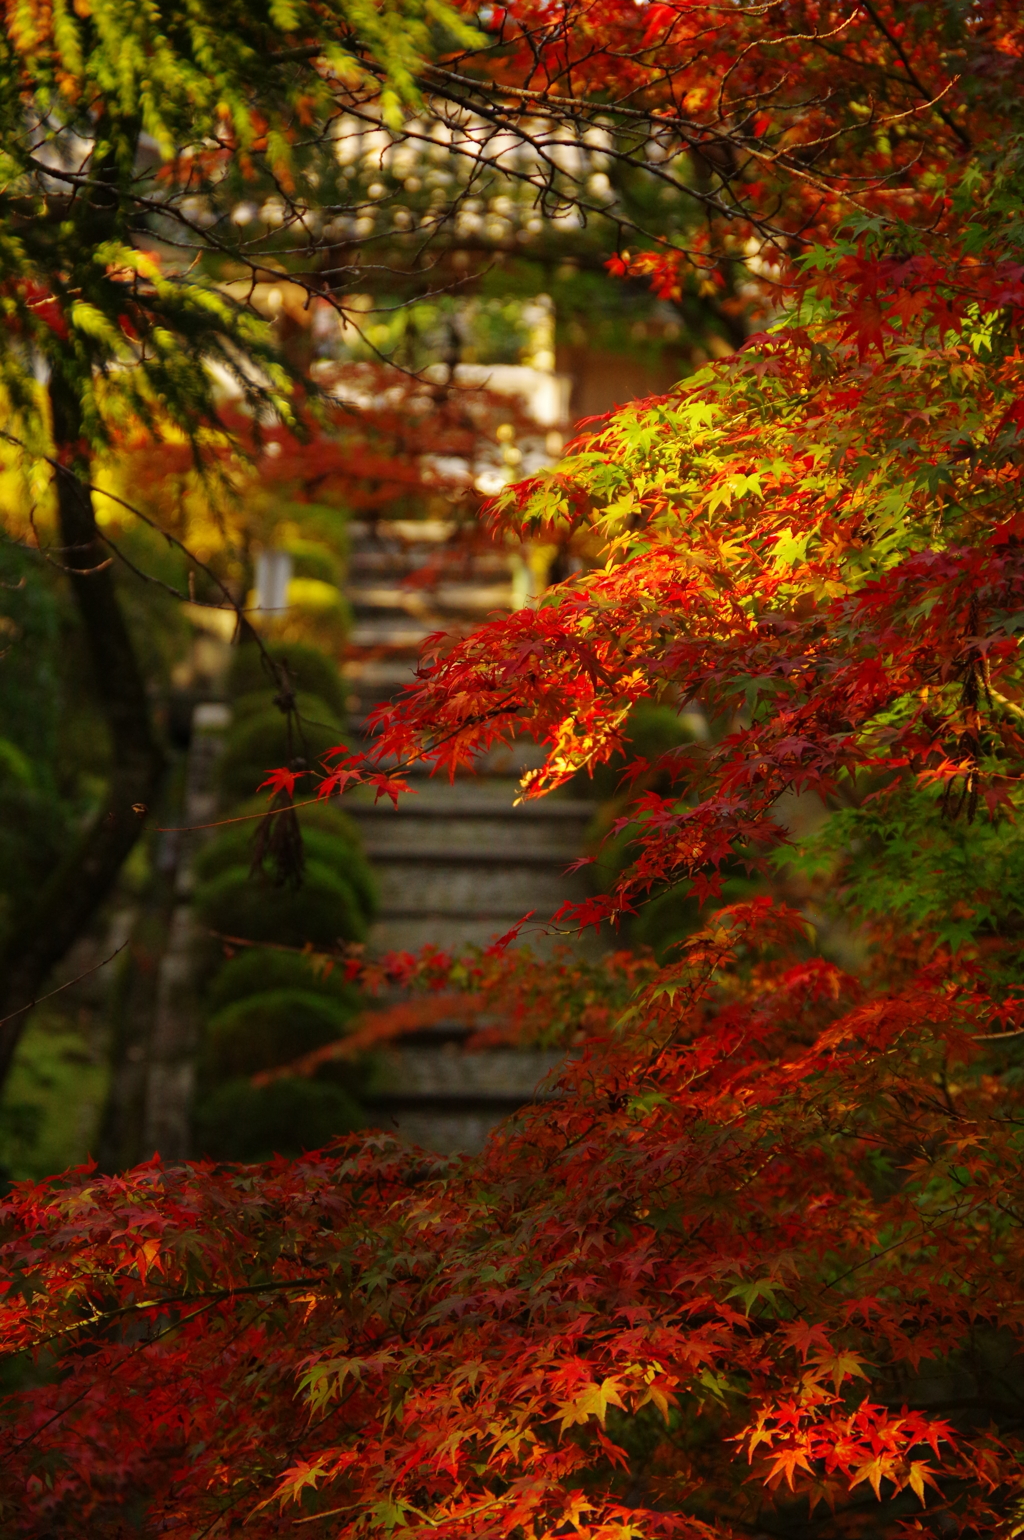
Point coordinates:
[[68, 901]]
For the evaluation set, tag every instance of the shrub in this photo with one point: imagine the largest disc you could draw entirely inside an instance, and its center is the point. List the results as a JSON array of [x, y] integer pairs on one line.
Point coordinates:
[[33, 830], [338, 852], [263, 1031], [311, 707], [267, 1007], [310, 670], [239, 1121], [261, 742], [259, 969], [325, 910]]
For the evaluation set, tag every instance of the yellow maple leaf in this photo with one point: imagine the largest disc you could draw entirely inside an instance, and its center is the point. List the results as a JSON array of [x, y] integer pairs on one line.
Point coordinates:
[[876, 1471], [657, 1395], [593, 1401], [919, 1474], [786, 1461], [837, 1367]]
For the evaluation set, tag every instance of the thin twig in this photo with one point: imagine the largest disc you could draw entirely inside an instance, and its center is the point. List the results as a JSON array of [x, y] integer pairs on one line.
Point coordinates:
[[193, 828], [38, 1000]]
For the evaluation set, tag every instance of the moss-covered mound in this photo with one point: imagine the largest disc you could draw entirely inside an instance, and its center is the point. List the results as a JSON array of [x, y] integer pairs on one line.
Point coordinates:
[[329, 839], [325, 910], [261, 742], [311, 673], [311, 708], [257, 970], [267, 1006], [240, 1122], [266, 1030]]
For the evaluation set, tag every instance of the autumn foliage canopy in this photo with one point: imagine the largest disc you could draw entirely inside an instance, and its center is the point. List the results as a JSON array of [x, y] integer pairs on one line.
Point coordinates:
[[755, 1267]]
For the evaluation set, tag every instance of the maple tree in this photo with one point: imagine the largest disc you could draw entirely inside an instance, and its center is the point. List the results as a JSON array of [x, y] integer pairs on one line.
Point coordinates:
[[135, 139], [755, 1267]]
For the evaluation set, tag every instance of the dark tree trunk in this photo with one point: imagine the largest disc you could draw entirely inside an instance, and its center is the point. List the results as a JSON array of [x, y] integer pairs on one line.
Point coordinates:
[[62, 910]]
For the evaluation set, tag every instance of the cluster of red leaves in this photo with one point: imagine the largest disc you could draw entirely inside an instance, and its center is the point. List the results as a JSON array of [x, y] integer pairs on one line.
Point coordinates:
[[27, 304], [387, 446], [500, 992], [819, 540], [790, 114], [652, 1306]]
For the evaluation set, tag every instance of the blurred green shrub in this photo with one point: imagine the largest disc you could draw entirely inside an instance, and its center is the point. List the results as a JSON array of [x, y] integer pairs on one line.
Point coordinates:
[[259, 738], [266, 1030], [240, 1122], [261, 742], [651, 731], [311, 672], [325, 910], [329, 838], [256, 970], [265, 1007], [312, 708], [34, 828], [313, 559]]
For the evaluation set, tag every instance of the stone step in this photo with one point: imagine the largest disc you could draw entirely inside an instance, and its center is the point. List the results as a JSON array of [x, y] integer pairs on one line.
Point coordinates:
[[391, 634], [452, 932], [460, 850], [462, 889], [441, 600], [400, 561], [457, 863], [501, 1076], [470, 798], [419, 834], [422, 532], [501, 759], [379, 673], [437, 1128], [377, 678], [451, 1100]]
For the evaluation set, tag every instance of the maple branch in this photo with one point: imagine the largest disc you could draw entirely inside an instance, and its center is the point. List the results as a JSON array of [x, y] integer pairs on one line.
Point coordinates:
[[61, 987], [205, 1298], [895, 43], [509, 708]]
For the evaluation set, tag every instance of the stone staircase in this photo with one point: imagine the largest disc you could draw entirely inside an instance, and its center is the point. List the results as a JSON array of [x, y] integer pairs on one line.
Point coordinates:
[[457, 863]]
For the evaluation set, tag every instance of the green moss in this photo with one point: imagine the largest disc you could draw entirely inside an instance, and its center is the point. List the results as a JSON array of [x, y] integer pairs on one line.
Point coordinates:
[[310, 671], [258, 970], [261, 743], [34, 836], [30, 659], [334, 853], [650, 732], [265, 1007], [325, 816], [311, 708], [328, 817], [313, 559], [325, 910], [51, 1103], [240, 1122], [234, 846], [266, 1030]]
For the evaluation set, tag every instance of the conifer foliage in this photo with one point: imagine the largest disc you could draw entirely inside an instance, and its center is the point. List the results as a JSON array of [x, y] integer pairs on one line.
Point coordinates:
[[755, 1268]]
